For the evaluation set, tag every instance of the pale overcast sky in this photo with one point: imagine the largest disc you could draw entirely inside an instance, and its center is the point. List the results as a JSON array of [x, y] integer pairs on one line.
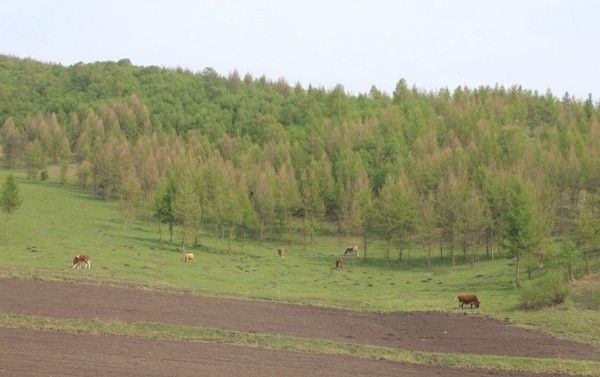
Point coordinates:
[[432, 44]]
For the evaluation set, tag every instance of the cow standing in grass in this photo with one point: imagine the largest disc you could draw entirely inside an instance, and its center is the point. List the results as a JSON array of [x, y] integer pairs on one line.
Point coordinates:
[[352, 251], [467, 299], [281, 252], [84, 260], [187, 257], [339, 264]]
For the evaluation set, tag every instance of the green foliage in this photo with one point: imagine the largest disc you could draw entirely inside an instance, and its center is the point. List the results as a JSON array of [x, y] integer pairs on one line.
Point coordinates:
[[10, 200], [164, 203], [563, 258], [315, 155], [83, 174], [522, 231], [35, 160], [551, 289]]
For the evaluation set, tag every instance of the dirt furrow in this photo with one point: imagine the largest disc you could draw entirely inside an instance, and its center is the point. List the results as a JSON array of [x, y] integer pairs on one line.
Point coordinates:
[[36, 353], [424, 331]]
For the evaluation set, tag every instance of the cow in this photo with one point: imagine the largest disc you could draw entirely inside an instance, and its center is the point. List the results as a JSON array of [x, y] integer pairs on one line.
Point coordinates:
[[281, 251], [351, 250], [339, 264], [467, 299], [187, 257], [84, 260]]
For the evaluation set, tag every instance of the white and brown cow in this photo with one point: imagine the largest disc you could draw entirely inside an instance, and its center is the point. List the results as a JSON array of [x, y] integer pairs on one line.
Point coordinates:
[[281, 252], [351, 250], [84, 260]]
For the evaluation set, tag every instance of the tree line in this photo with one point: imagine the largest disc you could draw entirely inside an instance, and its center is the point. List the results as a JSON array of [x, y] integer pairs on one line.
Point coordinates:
[[460, 171]]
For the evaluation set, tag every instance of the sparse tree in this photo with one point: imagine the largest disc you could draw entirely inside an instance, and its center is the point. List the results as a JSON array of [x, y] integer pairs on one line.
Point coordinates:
[[10, 200]]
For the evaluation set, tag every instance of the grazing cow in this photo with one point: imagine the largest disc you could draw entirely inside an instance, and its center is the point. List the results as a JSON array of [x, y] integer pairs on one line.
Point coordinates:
[[281, 251], [351, 250], [187, 257], [84, 260], [339, 264], [467, 299]]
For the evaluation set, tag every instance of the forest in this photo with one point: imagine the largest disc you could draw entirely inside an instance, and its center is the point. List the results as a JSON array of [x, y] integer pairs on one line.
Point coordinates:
[[466, 173]]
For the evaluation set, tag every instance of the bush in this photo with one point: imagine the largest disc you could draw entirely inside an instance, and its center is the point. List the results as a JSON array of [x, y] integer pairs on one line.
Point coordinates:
[[550, 290]]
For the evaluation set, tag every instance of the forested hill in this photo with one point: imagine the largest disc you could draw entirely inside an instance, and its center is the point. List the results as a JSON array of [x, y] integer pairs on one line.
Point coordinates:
[[437, 164]]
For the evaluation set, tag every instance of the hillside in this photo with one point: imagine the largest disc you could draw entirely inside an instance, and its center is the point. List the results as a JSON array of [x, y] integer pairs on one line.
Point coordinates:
[[473, 173]]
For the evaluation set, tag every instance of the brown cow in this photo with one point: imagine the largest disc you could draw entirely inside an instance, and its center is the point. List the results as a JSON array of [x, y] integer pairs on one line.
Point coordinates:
[[84, 260], [187, 257], [467, 299], [339, 263], [351, 250], [281, 251]]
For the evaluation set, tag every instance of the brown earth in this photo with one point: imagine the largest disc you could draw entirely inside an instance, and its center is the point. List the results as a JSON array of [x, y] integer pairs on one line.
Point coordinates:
[[424, 331], [37, 353]]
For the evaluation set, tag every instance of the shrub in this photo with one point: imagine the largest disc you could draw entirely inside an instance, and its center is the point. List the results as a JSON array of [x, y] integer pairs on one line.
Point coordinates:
[[588, 298], [549, 290]]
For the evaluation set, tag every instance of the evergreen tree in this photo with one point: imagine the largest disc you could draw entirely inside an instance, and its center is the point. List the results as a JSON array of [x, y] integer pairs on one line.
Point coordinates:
[[522, 231], [10, 200]]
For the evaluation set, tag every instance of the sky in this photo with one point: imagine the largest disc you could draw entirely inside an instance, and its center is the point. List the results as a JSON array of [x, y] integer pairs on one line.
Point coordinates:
[[539, 45]]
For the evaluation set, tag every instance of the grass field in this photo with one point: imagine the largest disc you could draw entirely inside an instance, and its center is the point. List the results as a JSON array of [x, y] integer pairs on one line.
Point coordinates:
[[57, 222]]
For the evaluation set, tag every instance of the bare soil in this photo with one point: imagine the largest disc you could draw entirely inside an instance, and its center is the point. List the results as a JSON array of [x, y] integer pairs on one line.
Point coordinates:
[[423, 331], [37, 353]]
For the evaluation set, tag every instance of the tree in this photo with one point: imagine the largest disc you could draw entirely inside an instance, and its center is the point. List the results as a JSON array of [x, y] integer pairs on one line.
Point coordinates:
[[287, 199], [187, 206], [585, 228], [83, 173], [10, 200], [397, 212], [129, 199], [313, 207], [164, 199], [522, 231], [429, 225], [470, 220], [35, 160], [262, 200], [12, 143]]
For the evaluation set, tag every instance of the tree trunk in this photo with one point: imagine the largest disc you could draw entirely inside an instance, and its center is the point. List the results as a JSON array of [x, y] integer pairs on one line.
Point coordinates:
[[261, 233], [492, 243], [6, 229], [387, 253], [488, 241], [518, 272], [365, 241], [464, 246], [441, 250], [305, 228], [429, 256]]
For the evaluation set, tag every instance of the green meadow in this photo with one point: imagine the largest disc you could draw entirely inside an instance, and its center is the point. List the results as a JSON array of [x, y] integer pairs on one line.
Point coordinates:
[[57, 222]]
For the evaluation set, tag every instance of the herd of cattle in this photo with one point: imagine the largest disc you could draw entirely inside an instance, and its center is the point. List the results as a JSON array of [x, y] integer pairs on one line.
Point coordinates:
[[85, 261]]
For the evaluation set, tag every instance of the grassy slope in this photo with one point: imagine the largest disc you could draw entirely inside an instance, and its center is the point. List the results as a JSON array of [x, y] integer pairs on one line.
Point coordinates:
[[63, 221]]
